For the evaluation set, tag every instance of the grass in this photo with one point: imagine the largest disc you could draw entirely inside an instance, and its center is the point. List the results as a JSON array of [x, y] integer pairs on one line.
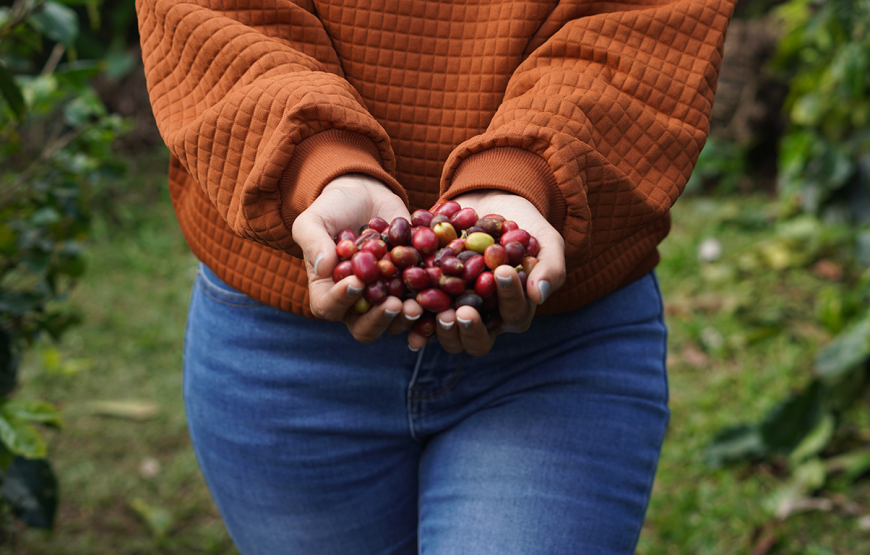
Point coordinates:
[[741, 337]]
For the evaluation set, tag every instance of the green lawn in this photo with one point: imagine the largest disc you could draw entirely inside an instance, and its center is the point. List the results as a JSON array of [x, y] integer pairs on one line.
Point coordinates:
[[742, 336]]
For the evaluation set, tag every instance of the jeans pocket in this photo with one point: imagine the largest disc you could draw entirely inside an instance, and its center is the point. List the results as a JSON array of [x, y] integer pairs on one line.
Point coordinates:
[[218, 290]]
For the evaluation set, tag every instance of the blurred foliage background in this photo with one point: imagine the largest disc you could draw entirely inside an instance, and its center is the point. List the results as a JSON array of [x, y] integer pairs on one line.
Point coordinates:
[[766, 277]]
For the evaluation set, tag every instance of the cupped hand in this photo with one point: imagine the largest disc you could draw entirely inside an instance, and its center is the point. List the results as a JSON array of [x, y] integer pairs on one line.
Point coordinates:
[[348, 202], [463, 329]]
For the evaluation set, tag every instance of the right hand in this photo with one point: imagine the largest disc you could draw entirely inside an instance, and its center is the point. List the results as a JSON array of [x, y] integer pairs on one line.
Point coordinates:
[[348, 202]]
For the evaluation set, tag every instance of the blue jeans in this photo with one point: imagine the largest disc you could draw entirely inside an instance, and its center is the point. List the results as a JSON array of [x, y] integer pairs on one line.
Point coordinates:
[[312, 443]]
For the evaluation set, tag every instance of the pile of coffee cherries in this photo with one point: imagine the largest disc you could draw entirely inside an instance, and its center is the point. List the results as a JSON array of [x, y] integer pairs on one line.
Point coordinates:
[[443, 258]]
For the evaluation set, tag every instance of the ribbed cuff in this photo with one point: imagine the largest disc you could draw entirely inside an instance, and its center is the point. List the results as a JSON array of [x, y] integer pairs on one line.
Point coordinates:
[[321, 158], [513, 170]]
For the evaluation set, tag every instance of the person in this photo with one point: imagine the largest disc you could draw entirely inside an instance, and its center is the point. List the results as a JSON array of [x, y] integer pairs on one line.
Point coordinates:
[[318, 430]]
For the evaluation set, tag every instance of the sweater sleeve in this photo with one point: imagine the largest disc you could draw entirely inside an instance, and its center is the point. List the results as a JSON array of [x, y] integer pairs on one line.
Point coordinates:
[[249, 96], [602, 123]]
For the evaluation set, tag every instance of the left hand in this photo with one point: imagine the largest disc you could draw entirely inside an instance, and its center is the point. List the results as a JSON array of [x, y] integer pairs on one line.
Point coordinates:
[[463, 329]]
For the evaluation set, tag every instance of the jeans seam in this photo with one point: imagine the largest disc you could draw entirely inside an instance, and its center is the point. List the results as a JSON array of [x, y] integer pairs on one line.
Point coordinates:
[[212, 291], [410, 398], [454, 379]]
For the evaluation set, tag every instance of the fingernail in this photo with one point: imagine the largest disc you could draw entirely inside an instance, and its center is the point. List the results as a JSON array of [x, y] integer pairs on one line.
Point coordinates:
[[316, 263], [504, 281], [464, 323], [445, 325], [544, 288], [413, 350], [392, 313], [353, 291], [412, 318]]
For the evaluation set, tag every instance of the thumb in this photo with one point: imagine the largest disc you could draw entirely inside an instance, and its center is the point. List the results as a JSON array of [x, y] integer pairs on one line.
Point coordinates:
[[318, 248], [548, 275]]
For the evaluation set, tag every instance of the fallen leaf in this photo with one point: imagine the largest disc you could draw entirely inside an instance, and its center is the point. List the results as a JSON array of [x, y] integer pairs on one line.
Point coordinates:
[[693, 356], [826, 269]]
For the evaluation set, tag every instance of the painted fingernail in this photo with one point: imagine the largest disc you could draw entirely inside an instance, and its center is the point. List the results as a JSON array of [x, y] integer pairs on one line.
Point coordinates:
[[413, 350], [445, 325], [392, 313], [544, 288], [464, 323], [412, 318], [504, 281], [353, 291], [317, 263]]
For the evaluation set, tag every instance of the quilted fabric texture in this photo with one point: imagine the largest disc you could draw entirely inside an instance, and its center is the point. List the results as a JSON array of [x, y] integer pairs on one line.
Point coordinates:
[[593, 111]]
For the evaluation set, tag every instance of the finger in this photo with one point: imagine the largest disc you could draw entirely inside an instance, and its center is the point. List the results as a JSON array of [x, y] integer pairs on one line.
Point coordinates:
[[513, 306], [411, 312], [448, 332], [476, 340], [368, 327], [318, 247], [331, 301], [417, 341], [548, 275]]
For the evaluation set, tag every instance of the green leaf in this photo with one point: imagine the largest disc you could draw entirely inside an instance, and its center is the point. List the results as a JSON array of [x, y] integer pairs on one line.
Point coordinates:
[[57, 22], [815, 441], [34, 411], [735, 443], [786, 425], [12, 93], [20, 437], [845, 351], [158, 519], [852, 464], [130, 409], [30, 488]]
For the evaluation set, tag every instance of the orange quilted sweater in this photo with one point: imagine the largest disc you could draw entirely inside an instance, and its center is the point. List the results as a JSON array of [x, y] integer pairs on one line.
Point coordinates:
[[593, 111]]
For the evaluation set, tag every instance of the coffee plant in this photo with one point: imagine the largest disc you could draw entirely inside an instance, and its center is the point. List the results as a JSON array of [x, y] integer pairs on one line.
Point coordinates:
[[824, 172], [55, 148]]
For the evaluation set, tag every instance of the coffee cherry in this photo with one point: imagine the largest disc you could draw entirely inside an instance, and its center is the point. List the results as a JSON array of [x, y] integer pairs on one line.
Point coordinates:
[[464, 219], [434, 300], [375, 246], [416, 278], [342, 270], [458, 245], [365, 266], [345, 249], [435, 273], [484, 286], [515, 252], [403, 257], [399, 232], [508, 226], [445, 232], [478, 242], [533, 247], [529, 263], [448, 208], [495, 256], [387, 269], [520, 235], [473, 267], [362, 305], [469, 299], [365, 236], [498, 217], [425, 241], [491, 226], [378, 224], [524, 277], [376, 292], [439, 219], [425, 326], [396, 287], [345, 234], [452, 285], [464, 256], [421, 218], [452, 266]]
